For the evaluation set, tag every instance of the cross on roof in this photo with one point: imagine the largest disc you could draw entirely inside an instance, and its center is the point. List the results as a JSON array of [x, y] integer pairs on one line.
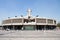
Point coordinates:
[[29, 12]]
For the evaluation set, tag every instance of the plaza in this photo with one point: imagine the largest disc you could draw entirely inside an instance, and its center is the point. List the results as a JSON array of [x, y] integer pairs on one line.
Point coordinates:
[[30, 35]]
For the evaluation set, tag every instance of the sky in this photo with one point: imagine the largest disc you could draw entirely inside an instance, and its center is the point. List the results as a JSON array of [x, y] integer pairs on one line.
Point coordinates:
[[43, 8]]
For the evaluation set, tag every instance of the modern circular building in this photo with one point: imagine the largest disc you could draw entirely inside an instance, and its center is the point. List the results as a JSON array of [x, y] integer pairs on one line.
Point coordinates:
[[29, 23]]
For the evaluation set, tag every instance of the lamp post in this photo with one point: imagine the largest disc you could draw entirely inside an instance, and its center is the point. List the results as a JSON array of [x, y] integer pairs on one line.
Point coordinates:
[[2, 26]]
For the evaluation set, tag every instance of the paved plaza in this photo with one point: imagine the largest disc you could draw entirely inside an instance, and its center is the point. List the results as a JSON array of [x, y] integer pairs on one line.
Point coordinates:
[[30, 35]]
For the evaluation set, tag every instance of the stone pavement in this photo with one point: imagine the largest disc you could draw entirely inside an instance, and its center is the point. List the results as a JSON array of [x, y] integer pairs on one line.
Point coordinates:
[[30, 35]]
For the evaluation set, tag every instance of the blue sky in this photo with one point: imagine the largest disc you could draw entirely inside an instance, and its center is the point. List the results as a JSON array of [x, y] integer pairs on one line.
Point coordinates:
[[43, 8]]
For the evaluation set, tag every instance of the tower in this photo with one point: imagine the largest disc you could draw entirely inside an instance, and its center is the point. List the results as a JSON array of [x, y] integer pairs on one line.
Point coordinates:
[[29, 12]]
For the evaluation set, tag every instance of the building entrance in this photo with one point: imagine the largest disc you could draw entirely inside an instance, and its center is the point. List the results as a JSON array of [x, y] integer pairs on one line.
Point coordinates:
[[28, 27]]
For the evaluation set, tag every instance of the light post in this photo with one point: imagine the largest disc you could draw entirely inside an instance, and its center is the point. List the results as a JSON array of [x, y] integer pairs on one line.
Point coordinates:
[[2, 26]]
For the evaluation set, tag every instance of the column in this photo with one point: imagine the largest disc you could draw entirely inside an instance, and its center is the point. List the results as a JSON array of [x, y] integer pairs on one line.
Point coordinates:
[[7, 27], [23, 28], [53, 21], [46, 21], [45, 27], [2, 27], [35, 27], [13, 27], [35, 20], [35, 24], [22, 21]]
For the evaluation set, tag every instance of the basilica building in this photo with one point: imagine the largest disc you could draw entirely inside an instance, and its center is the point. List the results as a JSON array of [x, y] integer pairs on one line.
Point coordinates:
[[29, 23]]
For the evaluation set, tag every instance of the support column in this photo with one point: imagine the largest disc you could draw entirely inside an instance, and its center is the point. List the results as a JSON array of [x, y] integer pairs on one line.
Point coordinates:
[[35, 20], [22, 20], [46, 21], [2, 27], [7, 27], [45, 27], [35, 27], [22, 28], [13, 27], [35, 24], [53, 21]]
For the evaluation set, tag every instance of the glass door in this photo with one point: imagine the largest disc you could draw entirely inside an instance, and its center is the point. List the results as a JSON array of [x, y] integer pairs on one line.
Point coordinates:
[[29, 27]]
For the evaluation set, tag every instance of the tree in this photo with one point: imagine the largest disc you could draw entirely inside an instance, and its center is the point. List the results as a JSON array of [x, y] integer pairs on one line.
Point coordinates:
[[58, 25], [37, 15]]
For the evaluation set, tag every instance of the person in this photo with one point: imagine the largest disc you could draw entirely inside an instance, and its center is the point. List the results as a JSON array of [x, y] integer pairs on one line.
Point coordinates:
[[22, 28], [7, 29]]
